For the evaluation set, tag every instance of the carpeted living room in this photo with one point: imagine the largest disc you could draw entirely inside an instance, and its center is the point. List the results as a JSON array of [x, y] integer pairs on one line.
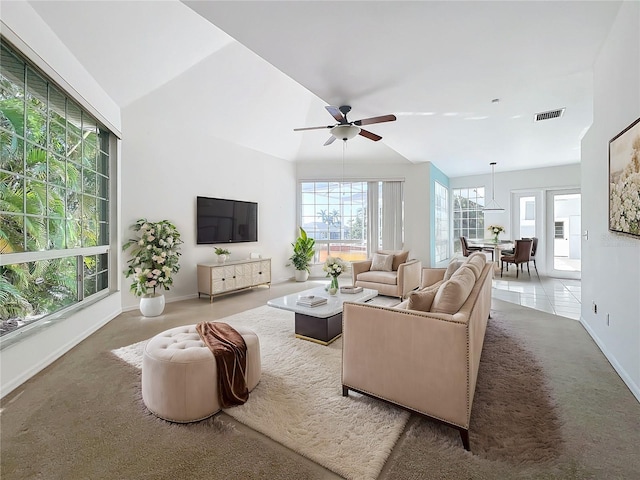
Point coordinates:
[[200, 99]]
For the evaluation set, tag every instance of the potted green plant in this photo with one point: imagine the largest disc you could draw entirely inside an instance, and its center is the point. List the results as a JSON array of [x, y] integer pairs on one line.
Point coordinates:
[[154, 259], [303, 252], [222, 254]]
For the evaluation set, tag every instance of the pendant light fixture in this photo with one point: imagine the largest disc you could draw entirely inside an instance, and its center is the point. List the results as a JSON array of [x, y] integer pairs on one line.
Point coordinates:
[[492, 206]]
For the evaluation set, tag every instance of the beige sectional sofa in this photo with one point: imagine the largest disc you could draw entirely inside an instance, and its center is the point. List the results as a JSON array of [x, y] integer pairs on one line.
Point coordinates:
[[423, 360]]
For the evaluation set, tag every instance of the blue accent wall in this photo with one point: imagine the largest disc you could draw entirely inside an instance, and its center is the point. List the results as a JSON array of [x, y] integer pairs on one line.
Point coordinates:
[[435, 175]]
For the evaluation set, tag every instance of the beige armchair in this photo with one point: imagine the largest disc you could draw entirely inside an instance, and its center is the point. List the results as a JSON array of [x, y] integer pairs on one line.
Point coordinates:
[[394, 280]]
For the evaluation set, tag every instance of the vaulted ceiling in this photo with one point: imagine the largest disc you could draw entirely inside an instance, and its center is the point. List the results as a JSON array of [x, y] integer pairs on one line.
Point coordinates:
[[464, 78]]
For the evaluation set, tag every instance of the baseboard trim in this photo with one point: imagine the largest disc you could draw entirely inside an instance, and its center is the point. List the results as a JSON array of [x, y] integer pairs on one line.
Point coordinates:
[[628, 381], [25, 375]]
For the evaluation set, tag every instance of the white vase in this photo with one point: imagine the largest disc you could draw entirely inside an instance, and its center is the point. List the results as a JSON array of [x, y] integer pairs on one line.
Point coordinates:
[[301, 275], [222, 258], [152, 305]]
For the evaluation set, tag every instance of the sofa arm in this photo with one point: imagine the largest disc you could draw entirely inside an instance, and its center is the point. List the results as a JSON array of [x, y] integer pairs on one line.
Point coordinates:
[[408, 277], [357, 268], [431, 276]]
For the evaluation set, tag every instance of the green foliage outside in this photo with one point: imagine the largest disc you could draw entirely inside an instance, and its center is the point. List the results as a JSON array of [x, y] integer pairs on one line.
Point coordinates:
[[48, 194]]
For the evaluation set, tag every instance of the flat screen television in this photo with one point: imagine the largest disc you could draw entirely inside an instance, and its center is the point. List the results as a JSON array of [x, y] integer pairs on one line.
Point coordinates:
[[226, 221]]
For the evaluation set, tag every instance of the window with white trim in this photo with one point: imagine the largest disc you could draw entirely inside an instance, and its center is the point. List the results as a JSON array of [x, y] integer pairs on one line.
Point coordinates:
[[468, 216], [441, 212], [350, 219], [54, 198]]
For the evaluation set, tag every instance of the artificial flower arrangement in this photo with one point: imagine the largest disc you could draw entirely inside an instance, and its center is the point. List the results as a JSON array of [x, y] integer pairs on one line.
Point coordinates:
[[222, 251], [495, 230], [154, 256], [334, 266]]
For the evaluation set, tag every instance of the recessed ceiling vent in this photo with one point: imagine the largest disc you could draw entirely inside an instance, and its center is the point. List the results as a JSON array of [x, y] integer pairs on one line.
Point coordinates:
[[538, 117]]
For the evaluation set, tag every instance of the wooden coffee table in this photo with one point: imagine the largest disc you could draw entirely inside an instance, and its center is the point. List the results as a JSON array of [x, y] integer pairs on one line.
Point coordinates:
[[321, 324]]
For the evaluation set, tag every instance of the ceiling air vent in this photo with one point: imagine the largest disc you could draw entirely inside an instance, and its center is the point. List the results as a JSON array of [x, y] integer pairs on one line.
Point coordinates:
[[538, 117]]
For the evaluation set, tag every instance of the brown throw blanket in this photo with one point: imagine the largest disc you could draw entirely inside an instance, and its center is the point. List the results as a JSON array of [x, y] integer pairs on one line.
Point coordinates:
[[230, 352]]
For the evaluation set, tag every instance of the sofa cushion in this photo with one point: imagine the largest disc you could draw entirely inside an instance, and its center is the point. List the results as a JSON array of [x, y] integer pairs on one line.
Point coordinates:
[[454, 292], [381, 262], [423, 299], [388, 278], [480, 256], [473, 266], [454, 265], [399, 257]]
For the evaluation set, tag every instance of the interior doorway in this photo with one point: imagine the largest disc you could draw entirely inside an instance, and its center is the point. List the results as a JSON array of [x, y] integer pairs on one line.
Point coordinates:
[[564, 255]]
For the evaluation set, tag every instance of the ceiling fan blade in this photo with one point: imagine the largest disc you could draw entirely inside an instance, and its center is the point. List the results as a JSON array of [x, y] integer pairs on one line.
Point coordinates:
[[336, 113], [370, 135], [312, 128], [380, 119], [330, 141]]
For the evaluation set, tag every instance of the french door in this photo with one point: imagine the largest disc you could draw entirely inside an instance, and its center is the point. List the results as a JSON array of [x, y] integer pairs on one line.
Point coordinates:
[[563, 236]]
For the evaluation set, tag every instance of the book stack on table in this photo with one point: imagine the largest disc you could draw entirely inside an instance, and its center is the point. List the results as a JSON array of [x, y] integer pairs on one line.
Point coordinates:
[[311, 300], [350, 289]]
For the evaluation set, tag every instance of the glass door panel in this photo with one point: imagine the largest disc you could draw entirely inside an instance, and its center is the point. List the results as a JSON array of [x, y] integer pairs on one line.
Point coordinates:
[[564, 234]]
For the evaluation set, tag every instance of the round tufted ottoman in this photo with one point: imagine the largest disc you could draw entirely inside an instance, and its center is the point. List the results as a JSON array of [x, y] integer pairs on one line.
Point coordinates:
[[179, 374]]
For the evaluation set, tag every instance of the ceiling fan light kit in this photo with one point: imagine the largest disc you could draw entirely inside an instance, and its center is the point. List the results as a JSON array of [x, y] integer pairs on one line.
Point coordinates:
[[493, 206], [346, 130]]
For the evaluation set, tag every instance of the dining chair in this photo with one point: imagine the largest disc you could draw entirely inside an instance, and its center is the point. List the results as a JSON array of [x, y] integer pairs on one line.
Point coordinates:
[[521, 255], [466, 249]]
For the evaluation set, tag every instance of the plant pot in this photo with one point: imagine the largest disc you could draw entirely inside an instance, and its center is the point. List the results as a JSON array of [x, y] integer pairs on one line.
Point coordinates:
[[222, 258], [152, 305], [301, 275]]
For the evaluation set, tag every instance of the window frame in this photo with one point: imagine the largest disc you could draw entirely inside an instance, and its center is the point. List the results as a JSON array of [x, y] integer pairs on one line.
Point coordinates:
[[95, 265], [477, 210], [441, 222]]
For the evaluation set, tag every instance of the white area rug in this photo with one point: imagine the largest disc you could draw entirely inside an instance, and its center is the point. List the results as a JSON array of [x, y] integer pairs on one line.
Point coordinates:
[[299, 401]]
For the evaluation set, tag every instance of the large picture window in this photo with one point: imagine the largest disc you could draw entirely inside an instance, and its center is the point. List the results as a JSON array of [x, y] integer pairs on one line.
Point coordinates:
[[468, 216], [351, 219], [441, 212], [54, 197]]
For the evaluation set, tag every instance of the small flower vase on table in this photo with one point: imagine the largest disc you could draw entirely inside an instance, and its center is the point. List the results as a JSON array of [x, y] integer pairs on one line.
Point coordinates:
[[333, 286], [334, 266], [495, 237]]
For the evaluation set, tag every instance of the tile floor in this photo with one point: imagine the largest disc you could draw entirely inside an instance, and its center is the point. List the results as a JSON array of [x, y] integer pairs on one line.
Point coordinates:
[[553, 295]]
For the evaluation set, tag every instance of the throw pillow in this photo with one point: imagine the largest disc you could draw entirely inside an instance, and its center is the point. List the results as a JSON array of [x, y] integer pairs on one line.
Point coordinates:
[[453, 293], [381, 262], [399, 257], [422, 299], [454, 265]]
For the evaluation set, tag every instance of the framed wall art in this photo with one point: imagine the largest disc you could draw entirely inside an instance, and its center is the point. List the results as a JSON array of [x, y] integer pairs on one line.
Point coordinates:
[[624, 181]]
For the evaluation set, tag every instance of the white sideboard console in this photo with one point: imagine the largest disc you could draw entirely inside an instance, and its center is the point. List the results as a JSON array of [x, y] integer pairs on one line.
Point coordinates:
[[220, 278]]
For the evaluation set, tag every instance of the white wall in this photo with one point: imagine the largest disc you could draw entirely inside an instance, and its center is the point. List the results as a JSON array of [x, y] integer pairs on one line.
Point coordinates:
[[23, 27], [416, 195], [534, 180], [26, 30], [610, 261], [171, 154]]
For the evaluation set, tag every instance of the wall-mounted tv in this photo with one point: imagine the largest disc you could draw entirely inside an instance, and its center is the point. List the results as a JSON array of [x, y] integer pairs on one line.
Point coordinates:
[[226, 221]]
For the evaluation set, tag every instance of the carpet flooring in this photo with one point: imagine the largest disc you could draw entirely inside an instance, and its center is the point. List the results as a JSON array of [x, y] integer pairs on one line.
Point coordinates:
[[81, 417], [298, 401]]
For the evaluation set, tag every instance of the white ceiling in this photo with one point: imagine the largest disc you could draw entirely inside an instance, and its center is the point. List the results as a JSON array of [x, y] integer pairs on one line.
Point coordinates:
[[436, 65]]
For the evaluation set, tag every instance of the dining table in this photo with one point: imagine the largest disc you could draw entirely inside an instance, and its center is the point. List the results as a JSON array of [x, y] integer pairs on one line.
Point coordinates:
[[497, 247]]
